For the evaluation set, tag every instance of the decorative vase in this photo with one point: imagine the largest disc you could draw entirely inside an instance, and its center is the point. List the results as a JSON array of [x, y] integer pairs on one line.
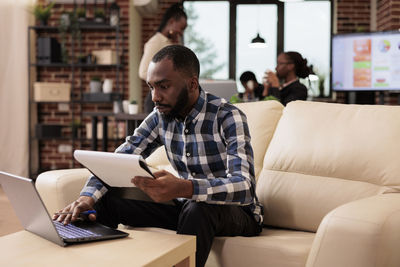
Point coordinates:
[[107, 86], [117, 107], [90, 59], [99, 20], [125, 106], [64, 20], [95, 86]]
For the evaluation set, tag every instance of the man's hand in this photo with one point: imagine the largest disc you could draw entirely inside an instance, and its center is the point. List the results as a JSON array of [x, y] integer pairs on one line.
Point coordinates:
[[165, 187], [83, 203]]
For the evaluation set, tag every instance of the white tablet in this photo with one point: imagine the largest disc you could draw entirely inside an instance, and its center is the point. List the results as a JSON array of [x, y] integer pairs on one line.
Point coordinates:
[[114, 169]]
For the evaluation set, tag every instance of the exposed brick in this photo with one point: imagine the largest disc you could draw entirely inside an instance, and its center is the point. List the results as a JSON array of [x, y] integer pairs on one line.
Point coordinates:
[[48, 113]]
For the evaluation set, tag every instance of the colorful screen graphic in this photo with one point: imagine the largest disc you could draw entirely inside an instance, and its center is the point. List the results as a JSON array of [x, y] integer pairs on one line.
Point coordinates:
[[366, 61]]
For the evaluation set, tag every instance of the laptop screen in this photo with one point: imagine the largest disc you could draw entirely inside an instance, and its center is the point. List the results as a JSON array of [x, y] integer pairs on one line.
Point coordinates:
[[29, 207], [221, 88]]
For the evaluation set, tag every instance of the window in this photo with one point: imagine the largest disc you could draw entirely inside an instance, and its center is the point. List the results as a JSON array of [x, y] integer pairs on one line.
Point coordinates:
[[310, 35], [253, 19], [224, 53], [207, 35]]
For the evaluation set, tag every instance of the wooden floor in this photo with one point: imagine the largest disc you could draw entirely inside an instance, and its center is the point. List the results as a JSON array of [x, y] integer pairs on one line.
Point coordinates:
[[9, 222]]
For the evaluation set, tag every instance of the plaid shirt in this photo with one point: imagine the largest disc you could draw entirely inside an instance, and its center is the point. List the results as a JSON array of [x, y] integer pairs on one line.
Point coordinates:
[[211, 147]]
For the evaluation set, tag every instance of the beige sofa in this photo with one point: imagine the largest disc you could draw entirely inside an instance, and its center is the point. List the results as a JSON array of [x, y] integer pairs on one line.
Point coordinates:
[[328, 176]]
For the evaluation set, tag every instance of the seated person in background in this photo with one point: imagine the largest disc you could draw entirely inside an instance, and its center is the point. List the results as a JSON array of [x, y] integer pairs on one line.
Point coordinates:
[[290, 67], [253, 89], [208, 143], [170, 31]]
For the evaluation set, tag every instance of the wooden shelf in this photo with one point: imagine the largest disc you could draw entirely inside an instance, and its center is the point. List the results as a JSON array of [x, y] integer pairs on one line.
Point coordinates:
[[77, 65], [89, 25], [77, 74]]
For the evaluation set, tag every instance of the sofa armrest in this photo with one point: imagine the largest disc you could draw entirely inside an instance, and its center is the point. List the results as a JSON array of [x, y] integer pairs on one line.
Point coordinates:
[[60, 187], [361, 233]]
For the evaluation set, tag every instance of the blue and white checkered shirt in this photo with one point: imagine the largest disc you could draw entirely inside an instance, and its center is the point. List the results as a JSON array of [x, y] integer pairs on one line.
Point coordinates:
[[211, 147]]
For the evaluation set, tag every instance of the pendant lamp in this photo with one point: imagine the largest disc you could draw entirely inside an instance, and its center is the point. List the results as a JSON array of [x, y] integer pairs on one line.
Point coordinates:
[[258, 41]]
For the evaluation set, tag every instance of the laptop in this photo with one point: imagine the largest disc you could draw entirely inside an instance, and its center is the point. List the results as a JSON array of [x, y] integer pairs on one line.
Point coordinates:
[[221, 88], [34, 217]]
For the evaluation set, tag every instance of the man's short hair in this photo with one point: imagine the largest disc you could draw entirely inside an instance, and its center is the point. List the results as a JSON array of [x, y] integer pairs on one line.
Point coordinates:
[[247, 76], [183, 59]]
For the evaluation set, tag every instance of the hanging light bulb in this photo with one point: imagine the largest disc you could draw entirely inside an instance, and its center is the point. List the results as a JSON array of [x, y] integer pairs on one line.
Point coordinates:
[[258, 42]]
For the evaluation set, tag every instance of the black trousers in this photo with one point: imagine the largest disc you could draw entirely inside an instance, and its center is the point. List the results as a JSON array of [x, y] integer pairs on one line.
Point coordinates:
[[203, 220]]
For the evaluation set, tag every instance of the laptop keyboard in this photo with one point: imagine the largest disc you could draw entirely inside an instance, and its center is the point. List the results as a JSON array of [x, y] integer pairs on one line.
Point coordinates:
[[71, 231]]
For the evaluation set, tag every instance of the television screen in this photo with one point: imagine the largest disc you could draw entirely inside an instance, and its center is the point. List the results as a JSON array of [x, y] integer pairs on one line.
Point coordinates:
[[366, 61]]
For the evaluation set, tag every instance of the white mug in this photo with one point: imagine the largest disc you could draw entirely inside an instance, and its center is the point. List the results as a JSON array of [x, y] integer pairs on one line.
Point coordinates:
[[107, 86]]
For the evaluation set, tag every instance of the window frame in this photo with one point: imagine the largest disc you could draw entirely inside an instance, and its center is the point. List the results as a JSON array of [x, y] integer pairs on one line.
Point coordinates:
[[280, 28], [232, 29]]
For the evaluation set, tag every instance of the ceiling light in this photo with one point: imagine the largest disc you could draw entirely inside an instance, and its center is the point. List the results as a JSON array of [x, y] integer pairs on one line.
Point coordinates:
[[258, 42]]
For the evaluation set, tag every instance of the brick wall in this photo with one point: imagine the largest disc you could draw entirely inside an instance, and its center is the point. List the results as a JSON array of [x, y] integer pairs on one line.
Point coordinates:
[[388, 15], [49, 113], [353, 16]]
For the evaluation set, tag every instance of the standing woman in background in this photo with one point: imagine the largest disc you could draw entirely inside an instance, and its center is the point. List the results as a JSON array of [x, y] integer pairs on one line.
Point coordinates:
[[170, 31], [290, 67]]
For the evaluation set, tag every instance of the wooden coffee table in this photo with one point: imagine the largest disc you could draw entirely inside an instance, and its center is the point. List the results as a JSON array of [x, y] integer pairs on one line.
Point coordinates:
[[140, 248]]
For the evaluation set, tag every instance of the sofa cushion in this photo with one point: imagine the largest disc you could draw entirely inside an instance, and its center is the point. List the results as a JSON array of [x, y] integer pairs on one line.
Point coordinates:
[[325, 155], [262, 118], [273, 247]]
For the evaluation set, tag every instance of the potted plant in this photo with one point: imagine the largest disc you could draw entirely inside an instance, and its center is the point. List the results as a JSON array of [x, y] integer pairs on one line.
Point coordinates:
[[95, 84], [81, 14], [321, 85], [99, 15], [42, 13], [133, 107]]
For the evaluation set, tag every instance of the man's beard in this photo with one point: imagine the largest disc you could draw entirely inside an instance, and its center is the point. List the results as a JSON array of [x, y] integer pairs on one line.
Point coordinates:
[[181, 104]]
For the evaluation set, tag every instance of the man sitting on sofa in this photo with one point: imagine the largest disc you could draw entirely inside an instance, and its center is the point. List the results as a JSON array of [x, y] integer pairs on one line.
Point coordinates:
[[207, 142]]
